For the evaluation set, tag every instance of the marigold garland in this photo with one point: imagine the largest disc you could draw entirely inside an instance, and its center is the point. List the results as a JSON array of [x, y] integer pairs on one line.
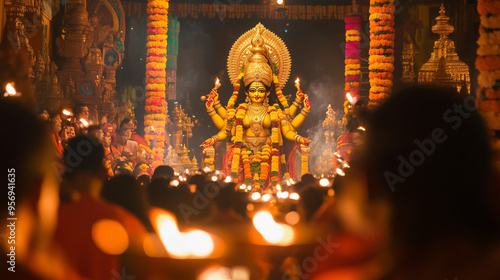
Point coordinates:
[[381, 61], [488, 63], [154, 119], [352, 55]]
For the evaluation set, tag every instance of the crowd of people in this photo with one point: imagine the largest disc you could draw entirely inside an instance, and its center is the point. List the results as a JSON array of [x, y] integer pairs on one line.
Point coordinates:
[[420, 201], [126, 152]]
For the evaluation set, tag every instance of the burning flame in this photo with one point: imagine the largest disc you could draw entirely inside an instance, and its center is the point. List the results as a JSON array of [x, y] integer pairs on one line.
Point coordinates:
[[340, 172], [206, 169], [66, 112], [274, 233], [324, 182], [191, 244], [361, 128], [152, 128], [280, 2], [217, 82], [294, 196], [255, 196], [84, 122], [228, 180], [297, 80], [10, 90], [350, 98]]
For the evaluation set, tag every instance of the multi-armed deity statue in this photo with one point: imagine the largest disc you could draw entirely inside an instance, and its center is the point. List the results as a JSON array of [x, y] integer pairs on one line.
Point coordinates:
[[257, 118]]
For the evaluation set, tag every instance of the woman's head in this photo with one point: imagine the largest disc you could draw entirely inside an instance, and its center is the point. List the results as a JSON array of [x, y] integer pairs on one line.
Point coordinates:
[[257, 92]]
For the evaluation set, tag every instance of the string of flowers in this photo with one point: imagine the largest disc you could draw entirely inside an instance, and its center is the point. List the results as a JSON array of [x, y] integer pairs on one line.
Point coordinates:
[[381, 60], [275, 144], [352, 55], [238, 141], [488, 62], [154, 119]]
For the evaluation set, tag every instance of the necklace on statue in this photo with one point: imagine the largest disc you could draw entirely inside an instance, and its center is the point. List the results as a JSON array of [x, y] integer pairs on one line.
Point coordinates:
[[256, 114]]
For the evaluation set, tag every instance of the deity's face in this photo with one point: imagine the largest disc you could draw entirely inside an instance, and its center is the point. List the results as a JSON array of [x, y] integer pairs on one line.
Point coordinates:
[[257, 92]]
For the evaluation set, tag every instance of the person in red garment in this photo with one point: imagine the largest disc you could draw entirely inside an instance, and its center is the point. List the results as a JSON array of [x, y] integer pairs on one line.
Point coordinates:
[[93, 233], [55, 128]]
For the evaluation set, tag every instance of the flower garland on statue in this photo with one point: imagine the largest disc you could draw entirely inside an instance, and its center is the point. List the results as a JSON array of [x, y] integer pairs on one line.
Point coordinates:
[[381, 60], [488, 62], [352, 55], [154, 119]]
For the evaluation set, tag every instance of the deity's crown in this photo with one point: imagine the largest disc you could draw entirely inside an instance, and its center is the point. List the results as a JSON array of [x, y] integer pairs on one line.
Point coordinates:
[[257, 68]]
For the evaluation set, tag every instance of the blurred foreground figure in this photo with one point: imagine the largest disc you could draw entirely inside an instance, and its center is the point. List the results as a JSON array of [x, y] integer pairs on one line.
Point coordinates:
[[28, 164], [422, 193], [93, 233], [427, 157]]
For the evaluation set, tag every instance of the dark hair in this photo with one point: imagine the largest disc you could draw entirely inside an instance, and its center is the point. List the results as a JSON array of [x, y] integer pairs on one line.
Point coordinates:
[[163, 171], [83, 153], [123, 123], [125, 191], [447, 164]]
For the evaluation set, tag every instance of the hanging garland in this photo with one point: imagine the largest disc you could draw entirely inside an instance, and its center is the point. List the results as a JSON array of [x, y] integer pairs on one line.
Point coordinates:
[[488, 60], [154, 119], [352, 55], [381, 60], [488, 64]]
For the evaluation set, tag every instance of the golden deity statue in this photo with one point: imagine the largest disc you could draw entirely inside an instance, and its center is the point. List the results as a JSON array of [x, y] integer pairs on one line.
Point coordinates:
[[257, 119]]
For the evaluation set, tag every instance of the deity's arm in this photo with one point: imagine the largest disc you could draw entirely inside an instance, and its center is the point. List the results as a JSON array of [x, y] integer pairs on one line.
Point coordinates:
[[299, 119], [216, 111], [220, 109], [221, 135], [216, 119], [291, 134], [299, 97]]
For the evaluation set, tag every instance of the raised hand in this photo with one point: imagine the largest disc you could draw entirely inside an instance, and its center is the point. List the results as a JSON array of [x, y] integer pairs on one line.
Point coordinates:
[[212, 98], [307, 103], [299, 96]]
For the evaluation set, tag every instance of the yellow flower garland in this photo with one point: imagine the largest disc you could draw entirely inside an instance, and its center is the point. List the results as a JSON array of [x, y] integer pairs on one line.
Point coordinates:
[[381, 60], [155, 79]]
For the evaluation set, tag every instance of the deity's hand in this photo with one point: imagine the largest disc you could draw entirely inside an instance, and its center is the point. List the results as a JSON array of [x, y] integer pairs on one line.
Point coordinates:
[[213, 96], [299, 96], [207, 143], [302, 140], [307, 103]]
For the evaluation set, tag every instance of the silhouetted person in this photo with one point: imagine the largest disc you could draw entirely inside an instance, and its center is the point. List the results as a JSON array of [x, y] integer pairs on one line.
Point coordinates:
[[86, 220], [124, 190], [428, 158], [164, 171]]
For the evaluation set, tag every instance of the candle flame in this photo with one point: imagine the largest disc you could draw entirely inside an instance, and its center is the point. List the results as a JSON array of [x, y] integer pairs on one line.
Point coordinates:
[[324, 182], [350, 98], [84, 122], [217, 81], [297, 81], [340, 172], [10, 89], [192, 244], [274, 233]]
